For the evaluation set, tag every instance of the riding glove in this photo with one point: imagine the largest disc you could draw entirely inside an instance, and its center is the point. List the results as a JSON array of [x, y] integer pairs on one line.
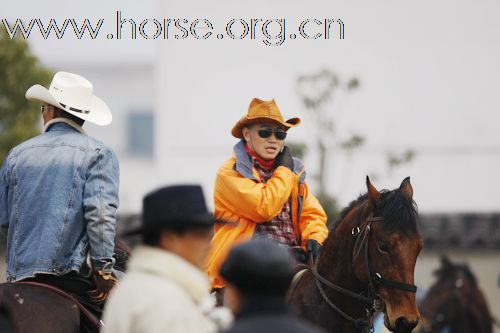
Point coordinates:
[[285, 159], [312, 248]]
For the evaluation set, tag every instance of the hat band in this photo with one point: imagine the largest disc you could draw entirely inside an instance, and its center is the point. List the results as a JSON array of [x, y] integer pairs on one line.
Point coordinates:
[[74, 109]]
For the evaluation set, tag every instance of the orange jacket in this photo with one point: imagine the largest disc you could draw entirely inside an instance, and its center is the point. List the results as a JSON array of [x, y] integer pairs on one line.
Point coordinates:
[[242, 198]]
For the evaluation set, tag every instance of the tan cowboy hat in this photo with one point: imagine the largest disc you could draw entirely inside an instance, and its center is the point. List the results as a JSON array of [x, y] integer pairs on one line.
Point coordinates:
[[73, 94], [260, 110]]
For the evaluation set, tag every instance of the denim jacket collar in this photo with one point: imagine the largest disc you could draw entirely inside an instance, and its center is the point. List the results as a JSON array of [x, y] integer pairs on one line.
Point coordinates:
[[66, 121]]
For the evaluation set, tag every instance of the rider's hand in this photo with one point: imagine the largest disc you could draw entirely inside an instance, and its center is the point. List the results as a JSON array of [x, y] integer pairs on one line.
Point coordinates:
[[285, 159], [312, 248], [104, 283]]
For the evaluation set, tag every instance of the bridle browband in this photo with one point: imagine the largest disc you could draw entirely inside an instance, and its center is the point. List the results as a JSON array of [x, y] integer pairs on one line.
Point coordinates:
[[375, 279]]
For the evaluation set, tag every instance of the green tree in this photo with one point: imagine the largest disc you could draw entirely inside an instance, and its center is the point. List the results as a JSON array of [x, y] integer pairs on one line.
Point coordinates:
[[297, 149], [318, 91], [19, 69]]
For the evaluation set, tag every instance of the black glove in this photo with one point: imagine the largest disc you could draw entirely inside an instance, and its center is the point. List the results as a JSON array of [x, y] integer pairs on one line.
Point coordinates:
[[284, 158], [312, 248], [299, 256]]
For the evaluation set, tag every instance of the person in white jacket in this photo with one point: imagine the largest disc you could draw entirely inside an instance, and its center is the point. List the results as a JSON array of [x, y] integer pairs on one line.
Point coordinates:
[[165, 288]]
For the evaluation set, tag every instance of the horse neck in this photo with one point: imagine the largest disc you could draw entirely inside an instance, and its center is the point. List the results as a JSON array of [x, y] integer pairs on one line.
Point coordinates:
[[477, 315], [335, 264], [474, 317], [470, 323]]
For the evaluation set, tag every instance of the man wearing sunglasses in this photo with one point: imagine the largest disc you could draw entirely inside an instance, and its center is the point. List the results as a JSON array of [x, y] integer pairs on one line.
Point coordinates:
[[262, 188]]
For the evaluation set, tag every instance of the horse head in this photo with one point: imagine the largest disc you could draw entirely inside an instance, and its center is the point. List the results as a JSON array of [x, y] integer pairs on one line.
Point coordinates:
[[380, 234], [392, 254], [366, 265], [454, 300]]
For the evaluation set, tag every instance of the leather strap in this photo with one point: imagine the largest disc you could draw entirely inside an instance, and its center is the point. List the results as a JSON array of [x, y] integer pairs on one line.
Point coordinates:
[[378, 279]]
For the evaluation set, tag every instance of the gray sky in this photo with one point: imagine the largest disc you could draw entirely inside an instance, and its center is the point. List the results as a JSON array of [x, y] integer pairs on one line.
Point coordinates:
[[428, 71]]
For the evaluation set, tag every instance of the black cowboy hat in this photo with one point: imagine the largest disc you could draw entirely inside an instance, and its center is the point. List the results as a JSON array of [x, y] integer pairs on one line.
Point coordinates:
[[173, 207], [258, 266]]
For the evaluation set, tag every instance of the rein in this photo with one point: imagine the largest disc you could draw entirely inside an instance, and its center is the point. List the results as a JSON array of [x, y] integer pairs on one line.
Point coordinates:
[[374, 303]]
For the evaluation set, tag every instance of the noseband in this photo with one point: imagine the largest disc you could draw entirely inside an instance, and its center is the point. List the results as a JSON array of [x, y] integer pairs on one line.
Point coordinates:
[[375, 279]]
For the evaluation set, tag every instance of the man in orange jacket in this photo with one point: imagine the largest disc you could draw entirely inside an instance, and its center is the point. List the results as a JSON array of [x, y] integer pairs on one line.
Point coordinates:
[[262, 189]]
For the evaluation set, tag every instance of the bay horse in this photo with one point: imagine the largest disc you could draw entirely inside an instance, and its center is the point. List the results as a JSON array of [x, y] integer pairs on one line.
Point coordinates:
[[454, 303], [32, 307], [366, 265]]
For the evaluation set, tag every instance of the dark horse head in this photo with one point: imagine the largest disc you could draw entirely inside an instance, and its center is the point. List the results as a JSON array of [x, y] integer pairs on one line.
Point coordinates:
[[454, 301], [367, 264]]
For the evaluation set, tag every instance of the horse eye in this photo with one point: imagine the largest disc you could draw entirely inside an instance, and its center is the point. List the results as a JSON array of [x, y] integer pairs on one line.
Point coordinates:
[[383, 247]]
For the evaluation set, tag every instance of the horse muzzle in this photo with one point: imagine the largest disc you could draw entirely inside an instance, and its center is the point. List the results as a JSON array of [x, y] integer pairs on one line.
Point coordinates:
[[402, 325]]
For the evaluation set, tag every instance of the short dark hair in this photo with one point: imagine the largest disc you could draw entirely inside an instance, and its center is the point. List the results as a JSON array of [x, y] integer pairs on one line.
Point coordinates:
[[153, 238], [63, 114]]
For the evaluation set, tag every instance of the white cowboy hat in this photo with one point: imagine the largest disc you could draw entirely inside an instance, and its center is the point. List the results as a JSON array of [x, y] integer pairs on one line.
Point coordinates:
[[73, 94]]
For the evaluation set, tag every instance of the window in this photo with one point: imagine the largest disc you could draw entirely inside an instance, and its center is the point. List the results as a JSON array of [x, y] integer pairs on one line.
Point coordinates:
[[140, 134]]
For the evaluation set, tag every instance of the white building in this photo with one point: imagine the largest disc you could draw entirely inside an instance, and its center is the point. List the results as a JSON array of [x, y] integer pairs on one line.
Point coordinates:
[[429, 86]]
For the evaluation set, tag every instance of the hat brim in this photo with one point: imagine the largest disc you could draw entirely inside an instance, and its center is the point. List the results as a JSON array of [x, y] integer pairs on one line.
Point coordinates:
[[207, 221], [237, 129], [100, 113]]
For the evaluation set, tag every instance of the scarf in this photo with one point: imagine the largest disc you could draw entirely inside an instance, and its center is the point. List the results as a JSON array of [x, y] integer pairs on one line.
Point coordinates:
[[264, 163]]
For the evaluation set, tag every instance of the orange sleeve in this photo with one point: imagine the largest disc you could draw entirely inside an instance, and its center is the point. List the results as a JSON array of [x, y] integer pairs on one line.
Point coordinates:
[[313, 219], [252, 200]]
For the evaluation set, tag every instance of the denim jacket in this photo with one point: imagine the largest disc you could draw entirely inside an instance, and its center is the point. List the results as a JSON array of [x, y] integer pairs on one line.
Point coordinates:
[[58, 201]]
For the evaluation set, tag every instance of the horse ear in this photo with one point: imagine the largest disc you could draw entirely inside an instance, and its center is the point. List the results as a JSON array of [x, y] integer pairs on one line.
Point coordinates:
[[445, 262], [373, 193], [406, 187]]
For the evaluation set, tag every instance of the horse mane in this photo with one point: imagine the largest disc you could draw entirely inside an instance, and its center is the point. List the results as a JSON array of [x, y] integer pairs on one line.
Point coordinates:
[[399, 211], [122, 253]]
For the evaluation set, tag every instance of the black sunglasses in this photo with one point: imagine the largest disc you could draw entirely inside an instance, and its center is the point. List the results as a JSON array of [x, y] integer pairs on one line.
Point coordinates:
[[279, 134]]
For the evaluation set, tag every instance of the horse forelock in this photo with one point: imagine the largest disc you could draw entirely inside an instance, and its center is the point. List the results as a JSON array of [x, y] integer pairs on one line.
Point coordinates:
[[399, 211], [449, 273]]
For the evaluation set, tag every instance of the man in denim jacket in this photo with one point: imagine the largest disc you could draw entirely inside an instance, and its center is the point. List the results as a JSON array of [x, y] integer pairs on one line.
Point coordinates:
[[59, 195]]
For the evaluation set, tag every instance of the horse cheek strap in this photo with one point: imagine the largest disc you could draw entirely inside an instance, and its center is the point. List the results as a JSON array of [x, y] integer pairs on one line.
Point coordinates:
[[377, 277]]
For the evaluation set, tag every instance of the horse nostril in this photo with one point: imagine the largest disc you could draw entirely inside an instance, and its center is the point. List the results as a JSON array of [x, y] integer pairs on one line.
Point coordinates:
[[404, 325]]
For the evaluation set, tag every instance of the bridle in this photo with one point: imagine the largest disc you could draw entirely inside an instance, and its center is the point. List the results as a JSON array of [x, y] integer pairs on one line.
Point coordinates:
[[373, 302], [441, 319]]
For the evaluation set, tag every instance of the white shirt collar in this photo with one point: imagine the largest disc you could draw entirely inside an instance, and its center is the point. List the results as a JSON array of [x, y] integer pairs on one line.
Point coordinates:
[[63, 120]]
